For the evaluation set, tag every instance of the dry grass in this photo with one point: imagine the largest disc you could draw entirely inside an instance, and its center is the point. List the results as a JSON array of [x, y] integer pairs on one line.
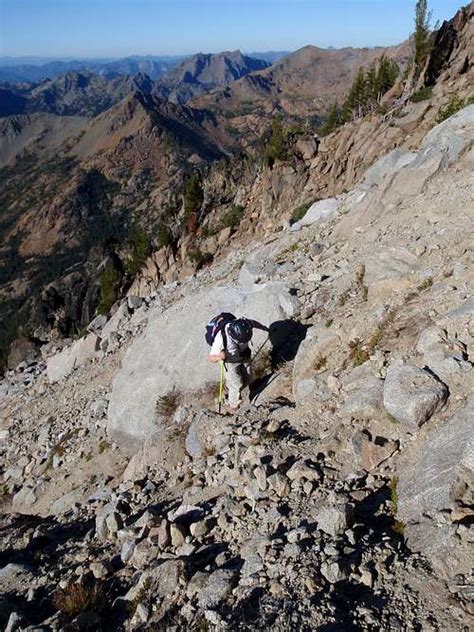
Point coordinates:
[[103, 446], [320, 363], [427, 283], [262, 364], [168, 404], [78, 598], [357, 352]]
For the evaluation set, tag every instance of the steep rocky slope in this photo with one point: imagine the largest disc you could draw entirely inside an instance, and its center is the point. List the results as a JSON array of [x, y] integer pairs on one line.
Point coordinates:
[[339, 498], [140, 154]]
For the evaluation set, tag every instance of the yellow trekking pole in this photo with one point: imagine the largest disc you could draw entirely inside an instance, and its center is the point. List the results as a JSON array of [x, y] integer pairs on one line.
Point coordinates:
[[221, 386]]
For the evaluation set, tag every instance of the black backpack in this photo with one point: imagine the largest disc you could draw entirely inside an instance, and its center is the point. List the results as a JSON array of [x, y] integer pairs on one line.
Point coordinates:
[[217, 325]]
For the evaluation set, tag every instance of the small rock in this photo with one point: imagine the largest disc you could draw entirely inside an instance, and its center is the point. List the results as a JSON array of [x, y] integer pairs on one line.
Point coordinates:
[[279, 483], [335, 520], [99, 569], [412, 395], [332, 572], [177, 534]]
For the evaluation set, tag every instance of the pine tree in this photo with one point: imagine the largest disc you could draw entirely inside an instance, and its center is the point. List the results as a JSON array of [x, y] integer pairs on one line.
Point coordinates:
[[332, 121], [421, 37], [193, 195], [355, 100], [277, 146], [386, 76], [371, 85]]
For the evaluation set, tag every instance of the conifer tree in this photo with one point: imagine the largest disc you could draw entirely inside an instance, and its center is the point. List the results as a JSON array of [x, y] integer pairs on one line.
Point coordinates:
[[332, 121], [421, 37], [193, 195]]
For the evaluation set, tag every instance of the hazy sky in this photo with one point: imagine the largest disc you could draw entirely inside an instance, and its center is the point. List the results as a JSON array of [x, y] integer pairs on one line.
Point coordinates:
[[92, 28]]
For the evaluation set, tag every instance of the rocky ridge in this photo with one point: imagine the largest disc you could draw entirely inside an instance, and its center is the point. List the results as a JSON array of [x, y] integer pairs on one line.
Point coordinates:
[[340, 495]]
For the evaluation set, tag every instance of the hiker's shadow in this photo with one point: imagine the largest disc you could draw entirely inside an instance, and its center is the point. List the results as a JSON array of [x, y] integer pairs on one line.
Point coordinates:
[[285, 338]]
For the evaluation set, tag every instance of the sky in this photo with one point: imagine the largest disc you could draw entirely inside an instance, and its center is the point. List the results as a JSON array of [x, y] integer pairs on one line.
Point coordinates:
[[116, 28]]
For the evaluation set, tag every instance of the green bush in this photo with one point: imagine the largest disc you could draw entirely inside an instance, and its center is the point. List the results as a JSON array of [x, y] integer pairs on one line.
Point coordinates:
[[164, 236], [209, 231], [422, 95], [199, 258], [233, 217], [455, 104], [110, 282], [277, 146], [140, 247], [299, 212]]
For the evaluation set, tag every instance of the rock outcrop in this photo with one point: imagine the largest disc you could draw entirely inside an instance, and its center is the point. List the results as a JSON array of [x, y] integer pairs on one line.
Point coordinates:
[[435, 498], [171, 356]]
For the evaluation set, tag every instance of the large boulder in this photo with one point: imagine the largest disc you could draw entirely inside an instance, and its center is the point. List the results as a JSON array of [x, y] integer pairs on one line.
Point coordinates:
[[79, 353], [319, 212], [435, 498], [412, 395], [171, 355], [22, 350]]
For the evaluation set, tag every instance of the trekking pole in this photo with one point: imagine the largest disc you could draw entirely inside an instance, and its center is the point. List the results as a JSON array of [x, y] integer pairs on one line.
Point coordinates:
[[259, 349], [221, 386]]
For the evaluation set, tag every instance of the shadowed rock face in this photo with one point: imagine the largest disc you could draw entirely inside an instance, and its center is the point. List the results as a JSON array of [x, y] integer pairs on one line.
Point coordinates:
[[172, 354]]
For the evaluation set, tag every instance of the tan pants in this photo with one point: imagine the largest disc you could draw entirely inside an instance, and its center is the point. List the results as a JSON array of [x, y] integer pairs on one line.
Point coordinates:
[[237, 376]]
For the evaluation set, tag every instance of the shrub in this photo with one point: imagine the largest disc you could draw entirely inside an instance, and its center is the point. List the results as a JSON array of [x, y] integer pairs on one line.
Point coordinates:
[[262, 364], [110, 282], [320, 363], [164, 236], [299, 212], [422, 95], [332, 121], [398, 525], [425, 285], [277, 146], [233, 217], [78, 598], [199, 258], [455, 104], [209, 231], [140, 246], [167, 404], [357, 353]]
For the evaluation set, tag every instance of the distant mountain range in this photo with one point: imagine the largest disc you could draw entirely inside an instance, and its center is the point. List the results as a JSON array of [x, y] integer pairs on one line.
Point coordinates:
[[154, 67], [87, 93], [34, 69]]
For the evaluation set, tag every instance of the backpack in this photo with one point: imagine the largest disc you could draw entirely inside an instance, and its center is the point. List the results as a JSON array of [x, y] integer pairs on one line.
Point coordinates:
[[217, 325]]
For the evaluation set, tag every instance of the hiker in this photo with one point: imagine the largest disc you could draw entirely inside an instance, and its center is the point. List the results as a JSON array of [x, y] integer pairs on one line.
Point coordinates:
[[229, 338]]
